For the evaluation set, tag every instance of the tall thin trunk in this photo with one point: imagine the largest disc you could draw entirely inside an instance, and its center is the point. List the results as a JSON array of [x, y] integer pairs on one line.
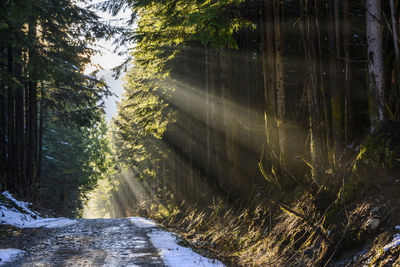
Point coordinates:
[[40, 145], [228, 65], [19, 123], [395, 25], [216, 114], [336, 100], [269, 80], [348, 70], [3, 125], [32, 137], [325, 126], [337, 25], [32, 117], [280, 83], [11, 163], [227, 107], [375, 63], [208, 109], [396, 72], [313, 85]]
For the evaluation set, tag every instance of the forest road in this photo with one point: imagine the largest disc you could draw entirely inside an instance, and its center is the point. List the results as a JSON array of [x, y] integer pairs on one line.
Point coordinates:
[[97, 242]]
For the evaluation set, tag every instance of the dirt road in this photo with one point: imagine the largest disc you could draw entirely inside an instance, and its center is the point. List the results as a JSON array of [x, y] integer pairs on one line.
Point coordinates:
[[99, 242]]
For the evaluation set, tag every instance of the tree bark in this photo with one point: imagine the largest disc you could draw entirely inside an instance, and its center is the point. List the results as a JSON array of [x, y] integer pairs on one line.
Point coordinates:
[[375, 63], [32, 120], [11, 163], [3, 125], [40, 144], [336, 99], [348, 72], [216, 120], [19, 124], [271, 130], [313, 85], [395, 31], [280, 83], [396, 72], [208, 109]]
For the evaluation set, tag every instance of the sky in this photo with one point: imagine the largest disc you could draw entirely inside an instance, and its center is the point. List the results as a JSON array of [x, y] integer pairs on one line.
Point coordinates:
[[108, 59]]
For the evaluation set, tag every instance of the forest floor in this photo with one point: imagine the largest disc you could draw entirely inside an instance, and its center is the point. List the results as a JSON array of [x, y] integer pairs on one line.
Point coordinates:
[[29, 240]]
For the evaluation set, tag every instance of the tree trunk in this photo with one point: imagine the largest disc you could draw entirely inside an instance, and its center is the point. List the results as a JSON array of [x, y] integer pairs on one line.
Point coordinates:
[[3, 125], [348, 70], [337, 25], [313, 85], [396, 72], [216, 119], [268, 60], [19, 124], [280, 83], [375, 63], [3, 128], [32, 119], [228, 64], [40, 145], [208, 109], [336, 100], [32, 137], [11, 163], [395, 29], [271, 127]]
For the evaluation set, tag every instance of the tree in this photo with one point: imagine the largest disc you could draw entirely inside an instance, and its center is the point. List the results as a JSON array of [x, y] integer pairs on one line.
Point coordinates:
[[336, 95], [313, 85], [75, 158], [376, 80], [44, 44], [348, 72], [396, 71]]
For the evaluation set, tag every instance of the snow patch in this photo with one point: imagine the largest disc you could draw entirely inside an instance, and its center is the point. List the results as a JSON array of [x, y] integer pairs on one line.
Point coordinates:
[[27, 219], [9, 255], [395, 243], [23, 205], [142, 222], [175, 255]]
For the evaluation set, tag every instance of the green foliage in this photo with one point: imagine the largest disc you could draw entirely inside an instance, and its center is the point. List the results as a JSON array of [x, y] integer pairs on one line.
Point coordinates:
[[74, 160], [157, 40], [372, 167], [143, 117], [45, 46]]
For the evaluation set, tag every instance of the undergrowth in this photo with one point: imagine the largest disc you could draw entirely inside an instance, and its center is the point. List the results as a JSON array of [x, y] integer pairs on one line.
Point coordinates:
[[303, 228]]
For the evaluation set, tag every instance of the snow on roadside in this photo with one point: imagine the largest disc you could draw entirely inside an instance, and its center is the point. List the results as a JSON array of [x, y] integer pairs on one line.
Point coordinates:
[[23, 205], [9, 255], [27, 219], [175, 255], [395, 243], [142, 222]]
